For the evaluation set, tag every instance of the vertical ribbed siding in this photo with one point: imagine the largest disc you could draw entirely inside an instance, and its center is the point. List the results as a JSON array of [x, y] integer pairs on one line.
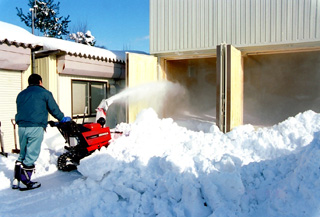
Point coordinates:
[[201, 24], [47, 68]]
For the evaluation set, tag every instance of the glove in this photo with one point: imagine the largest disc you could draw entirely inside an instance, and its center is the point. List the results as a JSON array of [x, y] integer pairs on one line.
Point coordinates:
[[65, 119]]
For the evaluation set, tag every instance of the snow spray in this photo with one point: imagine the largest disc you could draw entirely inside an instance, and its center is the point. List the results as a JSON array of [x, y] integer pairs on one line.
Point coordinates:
[[155, 93]]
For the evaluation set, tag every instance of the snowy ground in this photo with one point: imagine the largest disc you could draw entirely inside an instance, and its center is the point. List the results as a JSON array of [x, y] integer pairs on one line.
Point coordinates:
[[158, 168]]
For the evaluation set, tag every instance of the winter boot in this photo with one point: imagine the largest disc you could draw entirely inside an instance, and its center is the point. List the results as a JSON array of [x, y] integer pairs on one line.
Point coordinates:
[[26, 183], [16, 175]]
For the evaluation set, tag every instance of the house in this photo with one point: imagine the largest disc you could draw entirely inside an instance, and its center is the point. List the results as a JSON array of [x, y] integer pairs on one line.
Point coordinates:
[[79, 76], [243, 61]]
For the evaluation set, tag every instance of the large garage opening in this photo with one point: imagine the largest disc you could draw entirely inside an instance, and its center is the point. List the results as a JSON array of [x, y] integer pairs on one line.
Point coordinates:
[[198, 76], [278, 86]]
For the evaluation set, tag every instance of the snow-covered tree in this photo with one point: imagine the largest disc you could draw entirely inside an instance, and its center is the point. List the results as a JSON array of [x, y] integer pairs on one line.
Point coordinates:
[[47, 18], [83, 38]]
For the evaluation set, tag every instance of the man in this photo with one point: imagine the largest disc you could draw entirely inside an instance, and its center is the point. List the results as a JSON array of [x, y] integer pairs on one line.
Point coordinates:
[[33, 105]]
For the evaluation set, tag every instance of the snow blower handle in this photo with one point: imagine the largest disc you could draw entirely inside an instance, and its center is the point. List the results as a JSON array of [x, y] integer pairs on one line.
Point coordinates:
[[52, 123]]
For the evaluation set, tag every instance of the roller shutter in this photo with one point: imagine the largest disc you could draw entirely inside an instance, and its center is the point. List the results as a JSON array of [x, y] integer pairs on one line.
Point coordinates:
[[10, 87]]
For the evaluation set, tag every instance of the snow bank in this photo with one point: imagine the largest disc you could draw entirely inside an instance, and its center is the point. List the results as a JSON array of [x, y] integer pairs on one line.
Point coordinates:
[[158, 168], [163, 169]]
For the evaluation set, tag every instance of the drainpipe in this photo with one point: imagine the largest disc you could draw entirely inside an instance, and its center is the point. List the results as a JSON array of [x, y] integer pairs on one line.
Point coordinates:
[[33, 11]]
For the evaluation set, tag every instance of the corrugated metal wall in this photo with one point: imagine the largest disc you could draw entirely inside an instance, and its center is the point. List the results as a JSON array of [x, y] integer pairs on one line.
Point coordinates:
[[202, 24], [47, 68], [9, 89]]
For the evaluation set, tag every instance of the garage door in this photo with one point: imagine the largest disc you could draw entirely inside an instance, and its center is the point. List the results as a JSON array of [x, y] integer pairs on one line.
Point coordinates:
[[10, 87], [278, 86]]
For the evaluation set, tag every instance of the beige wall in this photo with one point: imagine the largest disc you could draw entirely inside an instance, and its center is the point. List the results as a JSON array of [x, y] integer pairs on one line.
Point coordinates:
[[47, 68], [141, 69], [234, 88], [24, 77]]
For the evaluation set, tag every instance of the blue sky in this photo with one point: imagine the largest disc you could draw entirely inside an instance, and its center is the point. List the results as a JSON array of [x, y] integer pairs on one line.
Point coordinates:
[[116, 24]]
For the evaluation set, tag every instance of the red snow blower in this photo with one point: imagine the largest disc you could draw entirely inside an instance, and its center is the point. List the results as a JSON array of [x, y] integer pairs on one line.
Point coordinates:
[[83, 139]]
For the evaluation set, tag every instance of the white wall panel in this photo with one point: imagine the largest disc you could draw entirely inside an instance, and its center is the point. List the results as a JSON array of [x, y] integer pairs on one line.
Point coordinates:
[[183, 25]]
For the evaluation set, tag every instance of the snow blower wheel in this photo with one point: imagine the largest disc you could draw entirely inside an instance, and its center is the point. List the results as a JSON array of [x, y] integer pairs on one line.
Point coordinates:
[[65, 163]]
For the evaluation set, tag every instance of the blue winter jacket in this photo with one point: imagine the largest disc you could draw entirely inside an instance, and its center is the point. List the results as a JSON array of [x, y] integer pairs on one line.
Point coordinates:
[[33, 105]]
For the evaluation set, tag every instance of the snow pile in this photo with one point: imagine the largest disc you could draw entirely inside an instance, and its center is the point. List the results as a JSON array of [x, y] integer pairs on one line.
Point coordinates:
[[158, 168], [163, 169]]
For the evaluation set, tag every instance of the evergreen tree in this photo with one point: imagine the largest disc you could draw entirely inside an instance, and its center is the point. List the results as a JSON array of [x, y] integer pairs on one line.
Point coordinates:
[[47, 18]]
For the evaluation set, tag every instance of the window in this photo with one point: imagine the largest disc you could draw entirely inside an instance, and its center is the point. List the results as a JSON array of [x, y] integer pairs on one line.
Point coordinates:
[[87, 94]]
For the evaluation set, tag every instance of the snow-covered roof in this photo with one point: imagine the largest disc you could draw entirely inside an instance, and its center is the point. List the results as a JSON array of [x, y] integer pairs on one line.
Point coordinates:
[[15, 35]]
